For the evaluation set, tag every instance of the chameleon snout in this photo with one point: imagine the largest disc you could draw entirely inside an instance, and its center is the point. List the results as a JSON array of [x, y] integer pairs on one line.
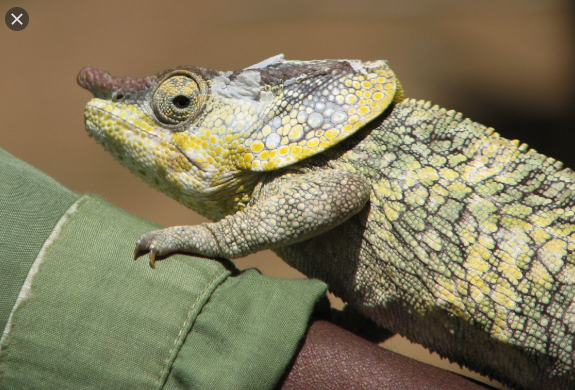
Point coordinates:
[[96, 81], [105, 86]]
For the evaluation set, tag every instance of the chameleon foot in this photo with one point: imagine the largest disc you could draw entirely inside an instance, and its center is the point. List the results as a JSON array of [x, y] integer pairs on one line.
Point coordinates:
[[158, 243], [164, 242]]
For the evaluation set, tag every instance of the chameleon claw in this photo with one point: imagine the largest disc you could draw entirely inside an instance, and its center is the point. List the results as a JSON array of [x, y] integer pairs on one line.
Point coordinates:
[[140, 247], [153, 253]]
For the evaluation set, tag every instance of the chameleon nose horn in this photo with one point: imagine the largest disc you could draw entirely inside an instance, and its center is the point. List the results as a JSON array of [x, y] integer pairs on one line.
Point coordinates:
[[98, 82], [102, 84]]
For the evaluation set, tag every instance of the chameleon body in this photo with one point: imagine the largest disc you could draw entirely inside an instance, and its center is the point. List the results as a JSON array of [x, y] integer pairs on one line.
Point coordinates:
[[429, 224]]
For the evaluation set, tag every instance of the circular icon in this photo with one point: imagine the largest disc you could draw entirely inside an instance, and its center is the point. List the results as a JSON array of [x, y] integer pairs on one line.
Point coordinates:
[[16, 19]]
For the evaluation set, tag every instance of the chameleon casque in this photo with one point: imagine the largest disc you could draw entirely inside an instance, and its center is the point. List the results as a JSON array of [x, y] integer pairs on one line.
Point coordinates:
[[429, 224]]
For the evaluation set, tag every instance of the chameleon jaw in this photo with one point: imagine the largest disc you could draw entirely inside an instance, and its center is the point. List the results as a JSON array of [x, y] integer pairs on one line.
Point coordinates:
[[109, 115], [125, 132]]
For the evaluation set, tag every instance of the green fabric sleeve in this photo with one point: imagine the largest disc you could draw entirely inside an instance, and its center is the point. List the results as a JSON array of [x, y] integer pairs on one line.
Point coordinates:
[[31, 203], [88, 316]]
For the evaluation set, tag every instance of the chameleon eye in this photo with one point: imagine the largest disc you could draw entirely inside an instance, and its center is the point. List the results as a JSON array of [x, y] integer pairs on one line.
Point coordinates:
[[181, 101], [176, 99]]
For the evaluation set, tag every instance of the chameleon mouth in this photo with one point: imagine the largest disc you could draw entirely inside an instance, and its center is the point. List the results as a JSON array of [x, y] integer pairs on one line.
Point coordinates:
[[121, 130], [107, 119]]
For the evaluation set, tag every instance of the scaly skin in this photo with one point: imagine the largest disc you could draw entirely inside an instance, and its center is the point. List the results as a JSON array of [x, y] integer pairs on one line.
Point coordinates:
[[433, 226]]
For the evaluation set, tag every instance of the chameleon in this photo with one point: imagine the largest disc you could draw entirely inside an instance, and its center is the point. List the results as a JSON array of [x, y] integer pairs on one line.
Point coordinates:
[[426, 222]]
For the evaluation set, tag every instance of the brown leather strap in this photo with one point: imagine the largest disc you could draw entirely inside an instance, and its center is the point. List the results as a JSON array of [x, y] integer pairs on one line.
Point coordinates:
[[333, 358]]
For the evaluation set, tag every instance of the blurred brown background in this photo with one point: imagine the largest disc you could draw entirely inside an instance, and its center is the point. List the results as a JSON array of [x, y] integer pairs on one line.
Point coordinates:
[[507, 64]]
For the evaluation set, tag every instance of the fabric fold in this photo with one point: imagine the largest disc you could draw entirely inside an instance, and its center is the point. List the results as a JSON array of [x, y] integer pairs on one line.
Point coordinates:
[[90, 317]]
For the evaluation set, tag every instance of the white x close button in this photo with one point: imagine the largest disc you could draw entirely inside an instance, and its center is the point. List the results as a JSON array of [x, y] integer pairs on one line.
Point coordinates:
[[16, 19]]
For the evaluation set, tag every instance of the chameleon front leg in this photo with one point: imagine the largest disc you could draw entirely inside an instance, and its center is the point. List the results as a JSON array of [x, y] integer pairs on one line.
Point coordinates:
[[289, 209]]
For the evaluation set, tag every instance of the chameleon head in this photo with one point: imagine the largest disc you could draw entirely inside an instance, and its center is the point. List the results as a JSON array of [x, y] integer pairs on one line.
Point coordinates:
[[147, 125], [191, 131]]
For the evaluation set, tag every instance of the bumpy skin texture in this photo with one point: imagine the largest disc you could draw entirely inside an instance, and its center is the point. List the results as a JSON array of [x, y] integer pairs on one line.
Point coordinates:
[[431, 225]]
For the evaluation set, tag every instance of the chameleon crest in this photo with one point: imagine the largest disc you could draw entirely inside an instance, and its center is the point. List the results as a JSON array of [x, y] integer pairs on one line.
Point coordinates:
[[297, 109]]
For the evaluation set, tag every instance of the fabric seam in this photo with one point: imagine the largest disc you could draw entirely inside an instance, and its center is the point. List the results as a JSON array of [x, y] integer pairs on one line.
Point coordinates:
[[26, 289], [187, 326]]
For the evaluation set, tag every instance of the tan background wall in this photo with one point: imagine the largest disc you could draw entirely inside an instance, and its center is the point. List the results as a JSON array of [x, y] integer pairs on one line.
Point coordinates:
[[507, 64]]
